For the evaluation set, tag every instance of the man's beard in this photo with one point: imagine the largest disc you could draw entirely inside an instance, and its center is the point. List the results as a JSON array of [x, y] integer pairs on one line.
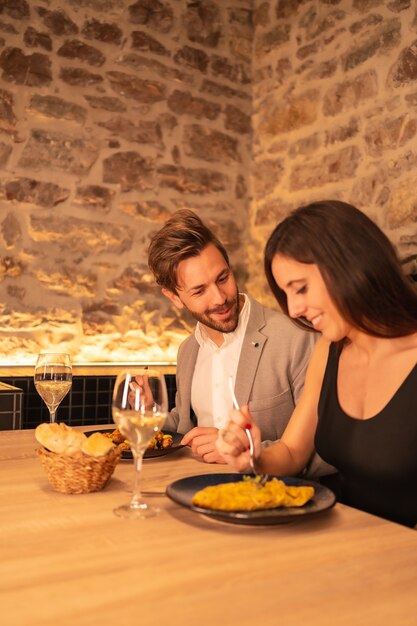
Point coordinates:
[[226, 326]]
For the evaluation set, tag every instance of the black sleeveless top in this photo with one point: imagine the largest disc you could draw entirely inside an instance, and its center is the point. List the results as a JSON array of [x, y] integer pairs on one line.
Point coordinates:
[[376, 457]]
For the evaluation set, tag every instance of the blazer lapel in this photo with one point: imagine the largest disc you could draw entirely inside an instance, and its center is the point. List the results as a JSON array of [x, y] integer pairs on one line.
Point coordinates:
[[253, 343], [187, 368]]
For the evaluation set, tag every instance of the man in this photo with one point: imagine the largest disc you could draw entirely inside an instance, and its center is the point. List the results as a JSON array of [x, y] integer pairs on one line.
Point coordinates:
[[262, 350]]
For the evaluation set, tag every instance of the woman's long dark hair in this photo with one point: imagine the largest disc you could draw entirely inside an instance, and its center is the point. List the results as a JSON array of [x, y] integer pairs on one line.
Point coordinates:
[[358, 263]]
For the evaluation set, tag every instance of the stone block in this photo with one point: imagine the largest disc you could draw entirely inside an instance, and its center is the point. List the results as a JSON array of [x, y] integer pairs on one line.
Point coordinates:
[[306, 145], [272, 212], [11, 230], [288, 8], [8, 118], [152, 13], [343, 132], [8, 28], [145, 43], [102, 31], [190, 180], [144, 64], [11, 267], [203, 22], [237, 120], [76, 49], [57, 151], [17, 9], [224, 91], [35, 192], [182, 102], [350, 93], [32, 70], [107, 103], [145, 132], [150, 210], [386, 37], [69, 280], [388, 133], [78, 77], [323, 70], [136, 277], [287, 115], [58, 22], [273, 39], [130, 170], [81, 237], [404, 70], [235, 72], [210, 145], [331, 168], [35, 39], [146, 91], [192, 57], [396, 6], [52, 106], [94, 197], [369, 20], [266, 176], [5, 151]]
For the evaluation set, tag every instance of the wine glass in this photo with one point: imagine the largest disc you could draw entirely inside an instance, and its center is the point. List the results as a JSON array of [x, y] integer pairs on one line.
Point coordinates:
[[140, 406], [53, 379]]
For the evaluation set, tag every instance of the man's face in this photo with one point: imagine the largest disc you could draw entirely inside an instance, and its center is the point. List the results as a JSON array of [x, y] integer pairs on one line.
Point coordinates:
[[207, 289]]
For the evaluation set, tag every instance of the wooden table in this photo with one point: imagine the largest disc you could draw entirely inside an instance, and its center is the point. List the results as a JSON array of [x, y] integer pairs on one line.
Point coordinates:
[[68, 560]]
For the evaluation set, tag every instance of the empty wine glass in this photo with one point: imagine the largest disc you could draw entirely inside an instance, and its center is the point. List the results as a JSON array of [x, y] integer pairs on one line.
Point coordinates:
[[140, 406], [53, 379]]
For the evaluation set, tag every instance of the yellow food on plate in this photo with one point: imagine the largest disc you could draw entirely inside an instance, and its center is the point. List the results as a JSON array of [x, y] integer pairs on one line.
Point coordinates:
[[248, 495]]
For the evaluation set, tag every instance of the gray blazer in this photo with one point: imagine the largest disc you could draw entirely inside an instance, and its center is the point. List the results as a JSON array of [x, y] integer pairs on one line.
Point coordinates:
[[270, 374]]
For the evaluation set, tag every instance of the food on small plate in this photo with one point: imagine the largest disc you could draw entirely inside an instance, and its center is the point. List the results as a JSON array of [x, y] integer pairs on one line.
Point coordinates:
[[63, 439], [160, 441], [249, 495]]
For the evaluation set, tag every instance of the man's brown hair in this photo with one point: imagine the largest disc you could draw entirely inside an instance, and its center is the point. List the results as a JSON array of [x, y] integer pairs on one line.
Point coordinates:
[[183, 236]]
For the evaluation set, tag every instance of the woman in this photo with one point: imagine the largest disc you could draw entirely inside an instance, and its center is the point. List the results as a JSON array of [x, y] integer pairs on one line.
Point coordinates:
[[332, 269]]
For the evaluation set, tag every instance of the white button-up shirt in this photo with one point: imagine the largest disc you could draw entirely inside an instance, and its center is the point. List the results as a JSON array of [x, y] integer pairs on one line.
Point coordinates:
[[210, 393]]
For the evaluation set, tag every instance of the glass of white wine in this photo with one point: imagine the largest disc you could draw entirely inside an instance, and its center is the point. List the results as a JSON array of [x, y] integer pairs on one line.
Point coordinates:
[[140, 406], [53, 379]]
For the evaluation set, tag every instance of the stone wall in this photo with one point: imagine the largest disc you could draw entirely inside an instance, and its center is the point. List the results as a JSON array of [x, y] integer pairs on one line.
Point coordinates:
[[335, 114], [113, 114]]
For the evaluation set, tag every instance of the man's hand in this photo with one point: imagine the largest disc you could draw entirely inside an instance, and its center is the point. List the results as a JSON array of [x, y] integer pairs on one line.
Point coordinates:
[[140, 395], [202, 440]]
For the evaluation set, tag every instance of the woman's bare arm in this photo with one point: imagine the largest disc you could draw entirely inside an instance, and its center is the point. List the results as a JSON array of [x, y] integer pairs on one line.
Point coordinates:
[[290, 454]]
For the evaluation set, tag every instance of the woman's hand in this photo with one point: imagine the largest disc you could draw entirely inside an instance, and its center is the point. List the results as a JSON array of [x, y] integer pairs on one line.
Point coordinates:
[[232, 442]]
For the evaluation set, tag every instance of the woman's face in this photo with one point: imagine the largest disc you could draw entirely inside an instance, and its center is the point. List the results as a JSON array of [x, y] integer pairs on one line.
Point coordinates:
[[308, 297]]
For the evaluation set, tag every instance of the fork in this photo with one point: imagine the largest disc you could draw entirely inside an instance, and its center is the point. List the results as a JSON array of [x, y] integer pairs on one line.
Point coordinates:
[[260, 478]]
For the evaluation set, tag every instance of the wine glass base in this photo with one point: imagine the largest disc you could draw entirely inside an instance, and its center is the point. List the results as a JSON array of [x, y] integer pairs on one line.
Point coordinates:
[[139, 511]]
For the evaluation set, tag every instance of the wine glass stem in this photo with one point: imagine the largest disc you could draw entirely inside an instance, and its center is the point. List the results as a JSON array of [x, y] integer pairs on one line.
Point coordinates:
[[137, 497], [52, 415]]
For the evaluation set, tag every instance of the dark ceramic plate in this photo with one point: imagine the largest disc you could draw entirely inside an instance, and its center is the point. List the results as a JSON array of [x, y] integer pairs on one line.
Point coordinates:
[[182, 491], [150, 454]]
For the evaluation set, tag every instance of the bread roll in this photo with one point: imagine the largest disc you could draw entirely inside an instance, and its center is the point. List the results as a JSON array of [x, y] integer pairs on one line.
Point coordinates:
[[60, 438], [97, 445]]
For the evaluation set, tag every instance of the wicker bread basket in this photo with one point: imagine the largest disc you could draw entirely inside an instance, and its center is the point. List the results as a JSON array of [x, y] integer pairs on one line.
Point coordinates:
[[78, 474]]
